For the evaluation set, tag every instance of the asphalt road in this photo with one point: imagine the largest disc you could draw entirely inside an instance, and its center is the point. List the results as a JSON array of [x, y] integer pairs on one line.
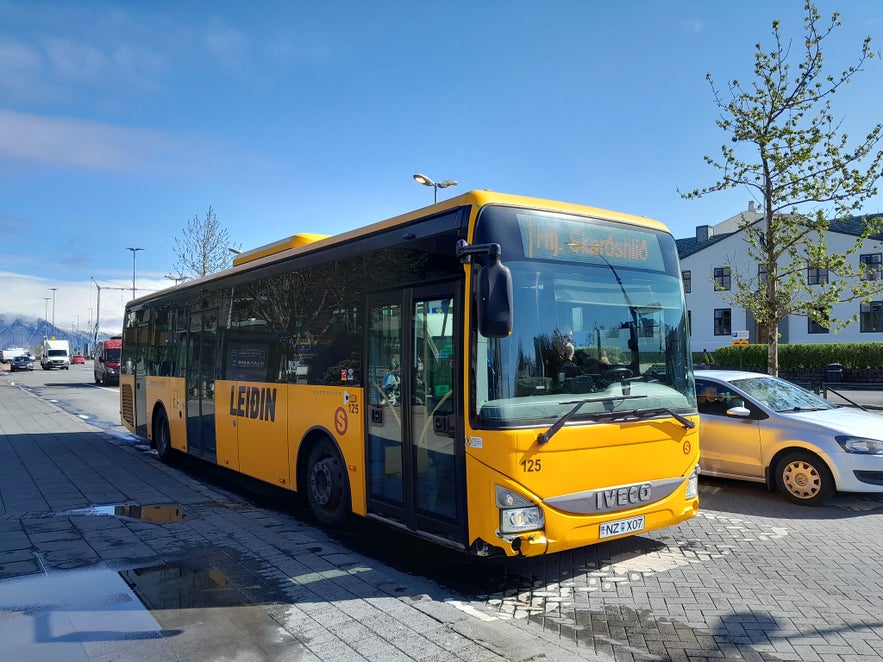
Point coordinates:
[[752, 577]]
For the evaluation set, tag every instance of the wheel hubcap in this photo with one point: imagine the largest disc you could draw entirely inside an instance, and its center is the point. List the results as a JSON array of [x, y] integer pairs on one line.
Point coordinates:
[[802, 480]]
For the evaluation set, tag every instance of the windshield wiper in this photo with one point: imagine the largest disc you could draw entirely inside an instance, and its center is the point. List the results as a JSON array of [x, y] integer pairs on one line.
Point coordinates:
[[544, 437], [645, 413]]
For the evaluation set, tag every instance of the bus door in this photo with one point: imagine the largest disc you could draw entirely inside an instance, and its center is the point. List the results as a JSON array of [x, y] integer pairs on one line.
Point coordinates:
[[416, 470], [201, 356]]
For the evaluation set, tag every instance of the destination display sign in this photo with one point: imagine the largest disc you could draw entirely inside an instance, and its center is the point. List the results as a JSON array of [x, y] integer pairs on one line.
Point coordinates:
[[559, 239]]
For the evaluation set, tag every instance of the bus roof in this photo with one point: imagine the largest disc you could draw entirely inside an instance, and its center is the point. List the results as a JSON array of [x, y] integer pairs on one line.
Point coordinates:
[[307, 242]]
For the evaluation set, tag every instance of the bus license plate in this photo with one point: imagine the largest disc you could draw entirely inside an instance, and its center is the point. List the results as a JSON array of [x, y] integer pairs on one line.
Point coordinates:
[[622, 526]]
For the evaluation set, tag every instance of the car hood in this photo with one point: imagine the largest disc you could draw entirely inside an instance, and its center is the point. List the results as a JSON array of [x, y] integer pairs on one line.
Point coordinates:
[[842, 420]]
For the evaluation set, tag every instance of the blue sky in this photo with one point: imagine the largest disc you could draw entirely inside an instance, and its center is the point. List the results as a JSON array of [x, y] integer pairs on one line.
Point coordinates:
[[119, 122]]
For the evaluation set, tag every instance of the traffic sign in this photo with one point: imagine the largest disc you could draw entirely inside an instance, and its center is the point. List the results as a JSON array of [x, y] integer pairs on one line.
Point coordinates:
[[740, 342]]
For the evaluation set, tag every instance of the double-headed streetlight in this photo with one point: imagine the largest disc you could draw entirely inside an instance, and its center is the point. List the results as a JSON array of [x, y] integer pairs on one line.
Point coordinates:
[[426, 181], [177, 279], [134, 250]]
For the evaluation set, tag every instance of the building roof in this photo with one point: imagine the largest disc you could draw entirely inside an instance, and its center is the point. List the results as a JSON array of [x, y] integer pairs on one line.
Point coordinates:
[[854, 225], [687, 247]]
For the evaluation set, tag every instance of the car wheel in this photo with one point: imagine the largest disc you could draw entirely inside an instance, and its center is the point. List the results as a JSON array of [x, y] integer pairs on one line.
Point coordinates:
[[163, 438], [804, 479], [328, 489]]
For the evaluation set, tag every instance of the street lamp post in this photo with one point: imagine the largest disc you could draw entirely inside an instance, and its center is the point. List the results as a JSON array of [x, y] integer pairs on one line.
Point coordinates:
[[46, 308], [426, 181], [134, 250], [177, 279], [53, 306]]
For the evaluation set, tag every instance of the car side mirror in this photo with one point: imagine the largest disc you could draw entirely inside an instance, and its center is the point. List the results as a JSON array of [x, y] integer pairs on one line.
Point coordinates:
[[739, 412]]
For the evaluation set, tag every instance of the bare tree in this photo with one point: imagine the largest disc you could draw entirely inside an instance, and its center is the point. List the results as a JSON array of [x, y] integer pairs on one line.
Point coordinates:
[[203, 247], [786, 146]]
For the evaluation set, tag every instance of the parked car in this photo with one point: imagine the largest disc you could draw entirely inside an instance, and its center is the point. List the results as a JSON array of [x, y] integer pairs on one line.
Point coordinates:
[[764, 429], [22, 363], [78, 358]]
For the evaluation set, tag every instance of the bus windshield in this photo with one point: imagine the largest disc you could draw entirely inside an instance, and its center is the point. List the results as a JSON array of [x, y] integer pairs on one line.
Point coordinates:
[[607, 330]]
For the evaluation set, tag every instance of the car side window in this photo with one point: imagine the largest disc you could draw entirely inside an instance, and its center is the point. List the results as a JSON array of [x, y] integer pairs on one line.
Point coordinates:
[[716, 399]]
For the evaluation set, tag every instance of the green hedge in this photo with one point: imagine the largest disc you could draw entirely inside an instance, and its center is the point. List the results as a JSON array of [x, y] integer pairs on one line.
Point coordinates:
[[852, 355]]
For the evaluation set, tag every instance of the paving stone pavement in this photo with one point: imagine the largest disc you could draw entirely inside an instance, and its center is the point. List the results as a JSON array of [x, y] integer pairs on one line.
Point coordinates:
[[752, 577], [315, 598]]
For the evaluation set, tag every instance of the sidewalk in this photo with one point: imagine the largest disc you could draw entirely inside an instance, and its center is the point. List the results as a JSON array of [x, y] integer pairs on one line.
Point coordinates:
[[108, 554]]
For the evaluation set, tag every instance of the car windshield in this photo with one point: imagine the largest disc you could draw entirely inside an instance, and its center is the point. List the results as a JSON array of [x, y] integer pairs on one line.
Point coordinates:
[[609, 332], [780, 395]]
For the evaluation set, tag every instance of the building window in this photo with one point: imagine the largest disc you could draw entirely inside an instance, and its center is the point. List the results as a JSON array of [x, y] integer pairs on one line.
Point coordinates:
[[872, 317], [815, 327], [722, 278], [816, 275], [687, 277], [871, 266], [761, 276], [722, 324]]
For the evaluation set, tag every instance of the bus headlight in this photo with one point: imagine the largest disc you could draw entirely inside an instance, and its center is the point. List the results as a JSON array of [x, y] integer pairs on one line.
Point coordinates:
[[693, 484], [517, 514]]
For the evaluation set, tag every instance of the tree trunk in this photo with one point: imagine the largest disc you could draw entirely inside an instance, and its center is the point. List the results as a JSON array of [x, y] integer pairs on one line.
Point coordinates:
[[772, 361]]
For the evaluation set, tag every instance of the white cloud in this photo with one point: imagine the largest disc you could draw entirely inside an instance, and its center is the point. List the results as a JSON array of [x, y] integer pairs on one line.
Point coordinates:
[[228, 45], [39, 140], [77, 303], [19, 65], [76, 62]]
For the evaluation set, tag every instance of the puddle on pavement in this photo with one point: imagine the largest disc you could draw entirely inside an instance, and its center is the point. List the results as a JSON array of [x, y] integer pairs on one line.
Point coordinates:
[[62, 612], [159, 513], [133, 614], [183, 586]]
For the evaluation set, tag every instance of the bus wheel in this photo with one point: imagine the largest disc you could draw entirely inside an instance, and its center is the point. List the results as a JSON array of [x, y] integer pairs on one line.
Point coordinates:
[[804, 479], [328, 489], [163, 437]]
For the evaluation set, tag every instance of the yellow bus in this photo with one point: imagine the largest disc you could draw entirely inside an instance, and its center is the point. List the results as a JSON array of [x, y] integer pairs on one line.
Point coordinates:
[[496, 373]]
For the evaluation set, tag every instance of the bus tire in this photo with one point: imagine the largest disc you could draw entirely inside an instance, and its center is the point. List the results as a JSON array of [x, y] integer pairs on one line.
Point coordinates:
[[163, 437], [803, 478], [328, 489]]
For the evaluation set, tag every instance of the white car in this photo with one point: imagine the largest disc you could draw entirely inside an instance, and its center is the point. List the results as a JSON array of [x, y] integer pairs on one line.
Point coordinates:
[[767, 430]]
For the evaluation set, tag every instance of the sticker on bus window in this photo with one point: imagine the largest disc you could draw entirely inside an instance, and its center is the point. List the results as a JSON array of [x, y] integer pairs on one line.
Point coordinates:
[[474, 442]]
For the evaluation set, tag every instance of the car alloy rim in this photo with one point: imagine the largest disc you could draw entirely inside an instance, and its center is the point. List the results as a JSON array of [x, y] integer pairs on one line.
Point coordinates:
[[802, 479]]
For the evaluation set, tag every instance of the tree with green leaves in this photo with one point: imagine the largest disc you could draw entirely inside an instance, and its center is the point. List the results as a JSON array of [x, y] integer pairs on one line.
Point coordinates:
[[203, 247], [788, 149]]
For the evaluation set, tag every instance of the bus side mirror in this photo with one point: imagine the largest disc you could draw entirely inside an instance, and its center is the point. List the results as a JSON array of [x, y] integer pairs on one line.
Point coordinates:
[[494, 289], [495, 299]]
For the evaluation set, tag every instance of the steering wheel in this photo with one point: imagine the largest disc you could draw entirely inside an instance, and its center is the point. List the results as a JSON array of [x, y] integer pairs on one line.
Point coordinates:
[[617, 373]]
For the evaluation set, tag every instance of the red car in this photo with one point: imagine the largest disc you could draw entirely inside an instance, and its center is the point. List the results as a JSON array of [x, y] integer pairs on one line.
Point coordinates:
[[78, 358]]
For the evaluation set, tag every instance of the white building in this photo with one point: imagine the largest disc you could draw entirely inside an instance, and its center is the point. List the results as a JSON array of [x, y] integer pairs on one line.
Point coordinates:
[[717, 253]]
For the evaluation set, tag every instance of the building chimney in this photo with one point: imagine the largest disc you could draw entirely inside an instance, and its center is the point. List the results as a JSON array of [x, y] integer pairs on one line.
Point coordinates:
[[704, 233], [751, 207]]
